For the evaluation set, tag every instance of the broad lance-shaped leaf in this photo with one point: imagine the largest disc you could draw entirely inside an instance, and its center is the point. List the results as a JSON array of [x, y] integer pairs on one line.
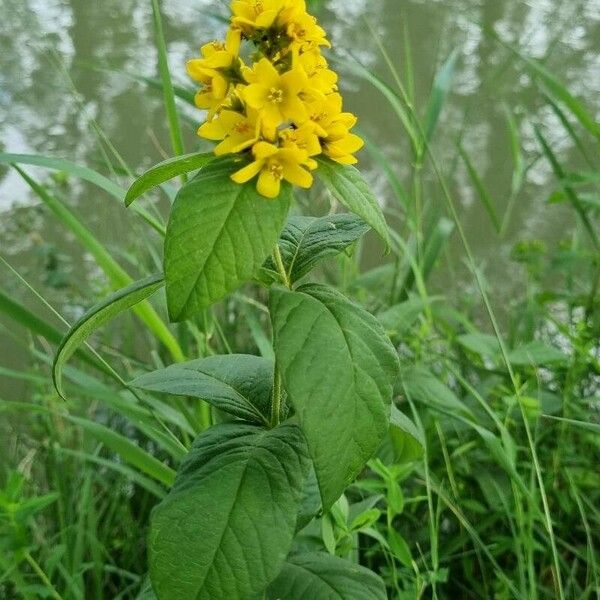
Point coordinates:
[[307, 240], [338, 369], [227, 525], [97, 316], [218, 236], [348, 187], [320, 576], [164, 171], [239, 384]]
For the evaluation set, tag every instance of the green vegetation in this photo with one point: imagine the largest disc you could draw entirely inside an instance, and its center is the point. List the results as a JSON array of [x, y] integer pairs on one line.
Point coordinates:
[[485, 486]]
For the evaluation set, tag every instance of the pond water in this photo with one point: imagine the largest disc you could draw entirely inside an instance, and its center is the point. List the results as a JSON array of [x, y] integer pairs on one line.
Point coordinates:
[[68, 83]]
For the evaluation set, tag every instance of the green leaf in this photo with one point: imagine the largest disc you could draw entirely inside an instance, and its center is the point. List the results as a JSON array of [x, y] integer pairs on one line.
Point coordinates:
[[311, 500], [347, 185], [441, 88], [482, 191], [400, 548], [407, 439], [421, 385], [225, 528], [536, 353], [399, 318], [165, 171], [219, 234], [307, 240], [487, 346], [338, 368], [97, 316], [320, 576], [238, 384]]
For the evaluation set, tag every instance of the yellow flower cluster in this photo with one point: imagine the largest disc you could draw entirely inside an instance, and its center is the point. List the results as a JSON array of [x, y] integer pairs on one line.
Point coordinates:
[[283, 110]]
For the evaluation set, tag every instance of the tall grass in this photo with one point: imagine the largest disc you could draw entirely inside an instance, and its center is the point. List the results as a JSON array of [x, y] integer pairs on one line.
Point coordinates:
[[503, 501]]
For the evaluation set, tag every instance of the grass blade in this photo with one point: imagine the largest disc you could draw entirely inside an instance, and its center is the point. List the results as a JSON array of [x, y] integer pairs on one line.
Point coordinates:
[[97, 316], [482, 191], [85, 173], [441, 87], [165, 75], [569, 191], [117, 276]]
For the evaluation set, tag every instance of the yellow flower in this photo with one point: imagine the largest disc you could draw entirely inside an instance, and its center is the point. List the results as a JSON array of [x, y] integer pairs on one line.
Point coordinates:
[[236, 131], [323, 111], [319, 76], [213, 70], [255, 14], [276, 96], [303, 29], [333, 127], [342, 147], [303, 138], [212, 95], [272, 165]]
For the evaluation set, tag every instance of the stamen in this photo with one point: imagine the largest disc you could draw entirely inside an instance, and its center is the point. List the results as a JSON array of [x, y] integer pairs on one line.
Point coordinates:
[[276, 171], [275, 95]]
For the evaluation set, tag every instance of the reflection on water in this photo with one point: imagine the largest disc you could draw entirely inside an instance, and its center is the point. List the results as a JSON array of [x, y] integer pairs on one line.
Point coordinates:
[[66, 66]]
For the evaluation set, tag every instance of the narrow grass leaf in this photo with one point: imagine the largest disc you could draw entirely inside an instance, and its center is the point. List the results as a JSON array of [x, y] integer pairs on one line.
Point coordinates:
[[127, 450], [85, 173], [116, 274], [97, 316], [439, 92], [482, 191], [569, 191], [167, 84]]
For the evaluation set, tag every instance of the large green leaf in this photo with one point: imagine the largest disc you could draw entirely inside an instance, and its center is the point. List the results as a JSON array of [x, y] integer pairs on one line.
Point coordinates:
[[307, 240], [224, 530], [219, 234], [320, 576], [348, 187], [338, 368], [164, 171], [239, 384], [97, 316]]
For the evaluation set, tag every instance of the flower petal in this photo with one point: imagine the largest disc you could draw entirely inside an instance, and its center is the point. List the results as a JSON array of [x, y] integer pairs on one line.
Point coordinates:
[[268, 185], [248, 172]]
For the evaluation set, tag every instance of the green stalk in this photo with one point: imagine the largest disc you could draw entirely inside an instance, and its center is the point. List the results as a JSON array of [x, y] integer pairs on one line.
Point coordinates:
[[40, 573], [168, 91], [285, 279]]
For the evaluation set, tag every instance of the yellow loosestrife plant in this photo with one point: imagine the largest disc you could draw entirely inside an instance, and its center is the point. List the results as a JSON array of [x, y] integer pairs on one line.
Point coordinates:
[[285, 436]]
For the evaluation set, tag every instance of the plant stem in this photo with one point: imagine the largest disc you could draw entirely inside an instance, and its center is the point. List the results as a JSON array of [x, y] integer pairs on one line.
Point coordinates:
[[281, 267], [40, 573], [276, 398]]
